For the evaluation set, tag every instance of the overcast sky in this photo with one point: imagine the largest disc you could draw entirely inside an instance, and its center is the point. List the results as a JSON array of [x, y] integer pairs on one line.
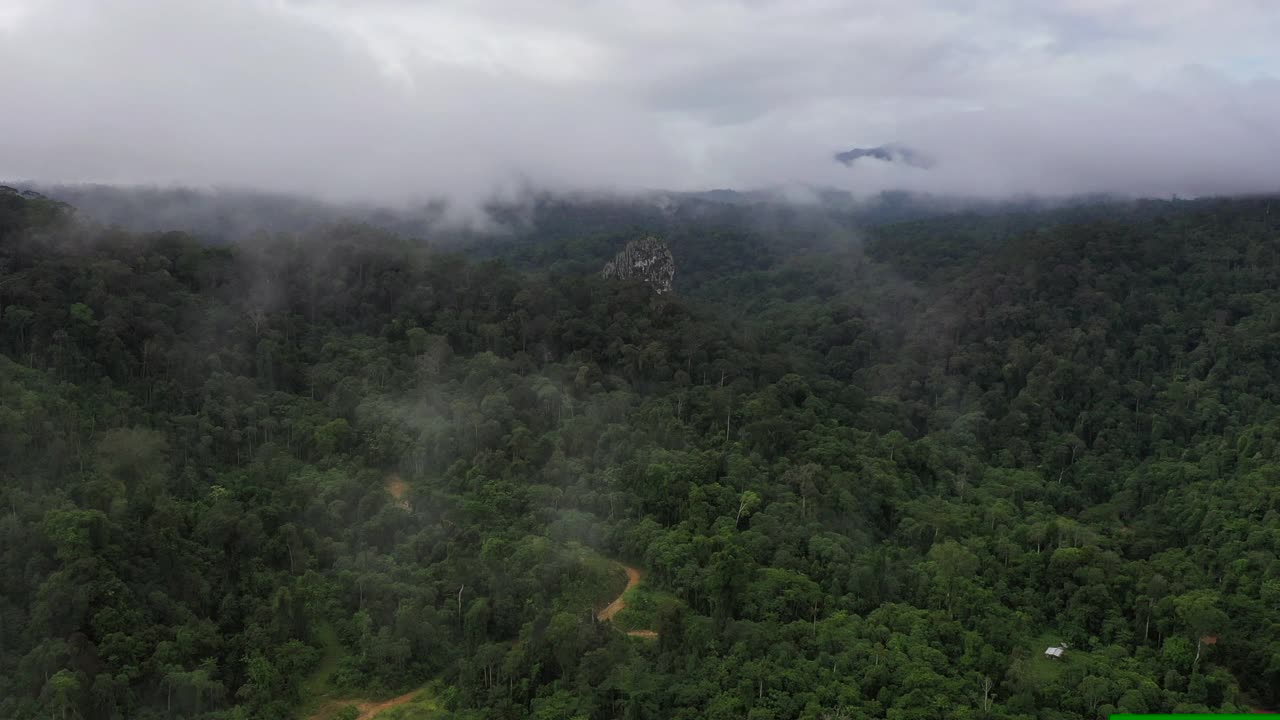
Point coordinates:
[[390, 99]]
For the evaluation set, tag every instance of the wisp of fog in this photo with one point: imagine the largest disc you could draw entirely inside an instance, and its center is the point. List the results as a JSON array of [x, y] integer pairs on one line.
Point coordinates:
[[401, 101]]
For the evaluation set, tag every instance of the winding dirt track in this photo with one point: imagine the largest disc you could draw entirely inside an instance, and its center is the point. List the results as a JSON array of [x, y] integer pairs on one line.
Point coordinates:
[[605, 615], [368, 708], [633, 579], [371, 709]]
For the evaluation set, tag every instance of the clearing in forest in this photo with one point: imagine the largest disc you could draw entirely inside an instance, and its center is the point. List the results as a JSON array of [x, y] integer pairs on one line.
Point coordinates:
[[398, 488], [633, 579], [319, 702], [626, 601], [419, 704]]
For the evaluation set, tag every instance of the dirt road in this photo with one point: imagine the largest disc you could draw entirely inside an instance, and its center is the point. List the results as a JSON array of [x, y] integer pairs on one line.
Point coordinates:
[[605, 615], [368, 708], [371, 709], [633, 579]]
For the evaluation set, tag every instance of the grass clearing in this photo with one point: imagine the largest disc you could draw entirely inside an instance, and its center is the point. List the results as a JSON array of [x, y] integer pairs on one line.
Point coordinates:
[[597, 580], [321, 701], [425, 705], [641, 610], [1044, 670], [316, 690]]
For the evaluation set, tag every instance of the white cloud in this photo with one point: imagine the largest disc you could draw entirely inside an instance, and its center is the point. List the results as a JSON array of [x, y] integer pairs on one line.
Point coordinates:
[[392, 98]]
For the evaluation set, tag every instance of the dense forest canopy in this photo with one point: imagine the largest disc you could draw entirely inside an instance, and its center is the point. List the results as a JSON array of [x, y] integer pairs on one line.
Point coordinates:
[[866, 473]]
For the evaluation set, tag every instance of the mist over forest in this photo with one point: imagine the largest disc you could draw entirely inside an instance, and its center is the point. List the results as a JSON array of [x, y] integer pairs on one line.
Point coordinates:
[[860, 465], [730, 360], [229, 215]]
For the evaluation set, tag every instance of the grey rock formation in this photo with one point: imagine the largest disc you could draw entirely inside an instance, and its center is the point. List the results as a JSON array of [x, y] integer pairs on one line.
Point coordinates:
[[647, 259]]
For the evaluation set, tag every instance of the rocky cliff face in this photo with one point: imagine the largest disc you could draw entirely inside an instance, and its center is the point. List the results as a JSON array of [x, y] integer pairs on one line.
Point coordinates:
[[647, 259]]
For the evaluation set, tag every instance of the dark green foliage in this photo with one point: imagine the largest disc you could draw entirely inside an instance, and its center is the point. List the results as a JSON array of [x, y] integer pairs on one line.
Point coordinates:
[[862, 485]]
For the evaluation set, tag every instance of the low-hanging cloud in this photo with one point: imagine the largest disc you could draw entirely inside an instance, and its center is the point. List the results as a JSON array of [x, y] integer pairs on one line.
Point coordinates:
[[398, 100]]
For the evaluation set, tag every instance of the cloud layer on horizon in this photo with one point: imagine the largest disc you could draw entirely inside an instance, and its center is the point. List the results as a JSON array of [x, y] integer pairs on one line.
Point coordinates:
[[398, 100]]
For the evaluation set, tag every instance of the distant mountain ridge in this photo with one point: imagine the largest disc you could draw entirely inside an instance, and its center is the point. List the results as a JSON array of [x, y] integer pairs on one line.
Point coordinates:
[[29, 194], [890, 152]]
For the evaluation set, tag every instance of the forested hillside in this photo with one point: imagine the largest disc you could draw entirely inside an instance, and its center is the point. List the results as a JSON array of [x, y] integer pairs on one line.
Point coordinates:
[[865, 475]]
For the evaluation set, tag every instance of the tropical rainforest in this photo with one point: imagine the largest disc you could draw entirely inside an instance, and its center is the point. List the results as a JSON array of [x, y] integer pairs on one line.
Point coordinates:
[[861, 472]]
